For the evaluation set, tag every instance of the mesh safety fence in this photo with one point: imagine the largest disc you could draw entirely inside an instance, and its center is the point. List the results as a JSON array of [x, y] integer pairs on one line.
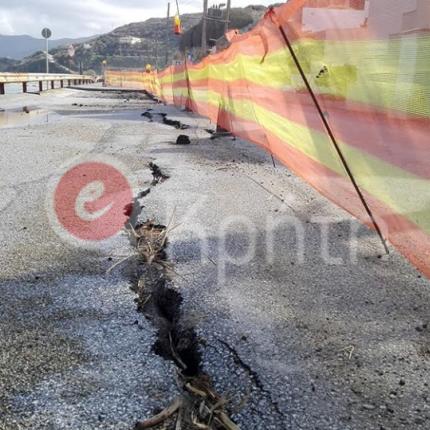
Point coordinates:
[[356, 72]]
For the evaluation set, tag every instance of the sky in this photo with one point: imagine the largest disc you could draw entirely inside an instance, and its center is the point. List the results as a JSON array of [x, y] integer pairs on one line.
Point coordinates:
[[80, 18]]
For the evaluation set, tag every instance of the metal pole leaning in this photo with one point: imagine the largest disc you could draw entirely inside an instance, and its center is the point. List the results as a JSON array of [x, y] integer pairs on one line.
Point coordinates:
[[204, 27], [333, 140]]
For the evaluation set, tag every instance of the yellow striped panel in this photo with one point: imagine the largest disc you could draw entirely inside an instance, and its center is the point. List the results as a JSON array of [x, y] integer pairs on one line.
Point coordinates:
[[403, 192]]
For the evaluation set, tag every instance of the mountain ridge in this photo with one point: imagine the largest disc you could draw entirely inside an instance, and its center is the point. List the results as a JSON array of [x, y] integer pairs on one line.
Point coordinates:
[[17, 47], [136, 44]]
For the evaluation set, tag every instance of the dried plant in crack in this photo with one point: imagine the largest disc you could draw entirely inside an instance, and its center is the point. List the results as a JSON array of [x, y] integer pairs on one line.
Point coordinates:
[[151, 242], [199, 407]]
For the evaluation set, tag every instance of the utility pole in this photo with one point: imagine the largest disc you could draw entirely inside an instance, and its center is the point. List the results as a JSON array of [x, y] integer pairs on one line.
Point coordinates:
[[156, 53], [227, 16], [204, 27], [168, 34]]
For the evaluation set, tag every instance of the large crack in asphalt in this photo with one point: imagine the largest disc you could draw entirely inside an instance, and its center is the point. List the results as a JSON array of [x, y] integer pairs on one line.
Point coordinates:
[[160, 302], [199, 406]]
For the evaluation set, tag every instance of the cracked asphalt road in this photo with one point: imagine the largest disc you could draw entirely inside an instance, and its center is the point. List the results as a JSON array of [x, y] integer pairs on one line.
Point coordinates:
[[297, 340]]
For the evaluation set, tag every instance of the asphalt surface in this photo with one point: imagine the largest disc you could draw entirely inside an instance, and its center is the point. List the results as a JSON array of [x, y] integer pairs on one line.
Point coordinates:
[[74, 352], [302, 324]]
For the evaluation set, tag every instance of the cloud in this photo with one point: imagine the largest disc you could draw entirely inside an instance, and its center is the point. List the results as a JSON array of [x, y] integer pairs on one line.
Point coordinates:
[[78, 18]]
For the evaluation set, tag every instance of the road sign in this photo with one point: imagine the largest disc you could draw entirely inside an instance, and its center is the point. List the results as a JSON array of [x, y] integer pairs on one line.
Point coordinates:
[[46, 33]]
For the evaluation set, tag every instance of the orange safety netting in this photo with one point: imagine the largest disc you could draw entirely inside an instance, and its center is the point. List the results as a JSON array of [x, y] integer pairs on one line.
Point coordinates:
[[367, 63]]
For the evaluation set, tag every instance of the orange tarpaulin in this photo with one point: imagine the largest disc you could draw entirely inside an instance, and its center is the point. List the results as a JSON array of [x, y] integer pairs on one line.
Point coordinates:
[[367, 64]]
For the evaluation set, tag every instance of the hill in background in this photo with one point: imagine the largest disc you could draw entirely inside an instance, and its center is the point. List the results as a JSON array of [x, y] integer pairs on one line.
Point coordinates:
[[137, 44], [19, 47], [7, 64]]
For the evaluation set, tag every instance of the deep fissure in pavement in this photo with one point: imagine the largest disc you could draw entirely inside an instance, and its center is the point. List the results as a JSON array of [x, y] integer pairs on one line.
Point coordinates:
[[177, 341], [157, 298], [161, 304]]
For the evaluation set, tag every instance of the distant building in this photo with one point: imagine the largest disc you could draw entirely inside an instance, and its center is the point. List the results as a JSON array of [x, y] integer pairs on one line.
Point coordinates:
[[129, 40], [396, 17], [380, 18]]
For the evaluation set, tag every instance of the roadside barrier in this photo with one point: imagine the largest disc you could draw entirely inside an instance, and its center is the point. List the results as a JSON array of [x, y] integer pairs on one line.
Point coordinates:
[[339, 91], [25, 78]]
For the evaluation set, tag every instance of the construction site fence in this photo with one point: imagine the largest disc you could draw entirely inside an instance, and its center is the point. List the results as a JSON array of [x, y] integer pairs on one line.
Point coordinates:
[[339, 91]]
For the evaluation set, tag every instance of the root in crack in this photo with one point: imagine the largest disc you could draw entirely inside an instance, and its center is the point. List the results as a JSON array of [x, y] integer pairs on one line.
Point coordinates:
[[161, 417]]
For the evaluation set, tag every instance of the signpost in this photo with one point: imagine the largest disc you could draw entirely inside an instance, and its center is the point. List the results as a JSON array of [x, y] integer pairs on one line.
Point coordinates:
[[46, 34]]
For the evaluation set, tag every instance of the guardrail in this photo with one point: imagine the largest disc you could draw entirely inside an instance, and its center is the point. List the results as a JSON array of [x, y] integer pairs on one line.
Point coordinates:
[[25, 78]]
